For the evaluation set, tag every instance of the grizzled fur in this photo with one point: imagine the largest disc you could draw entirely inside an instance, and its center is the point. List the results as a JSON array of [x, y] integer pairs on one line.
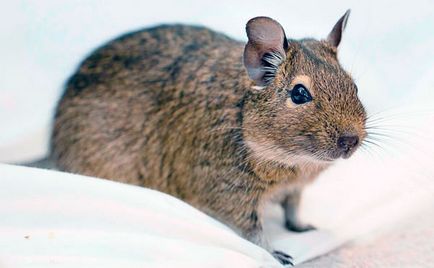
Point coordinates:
[[173, 108]]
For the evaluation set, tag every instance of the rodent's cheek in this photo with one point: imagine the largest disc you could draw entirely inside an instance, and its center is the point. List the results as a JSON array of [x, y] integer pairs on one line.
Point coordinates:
[[316, 143], [298, 140], [319, 135]]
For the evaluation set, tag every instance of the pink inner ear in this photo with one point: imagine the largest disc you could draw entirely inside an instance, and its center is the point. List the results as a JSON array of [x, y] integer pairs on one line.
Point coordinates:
[[265, 35]]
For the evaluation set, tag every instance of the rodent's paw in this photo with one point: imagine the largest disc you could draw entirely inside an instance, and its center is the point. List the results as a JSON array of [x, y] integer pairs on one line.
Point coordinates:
[[298, 227], [282, 257]]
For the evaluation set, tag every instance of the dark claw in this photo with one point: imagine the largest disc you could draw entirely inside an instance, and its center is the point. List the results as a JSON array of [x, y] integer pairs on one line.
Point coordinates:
[[298, 228], [283, 258], [283, 254]]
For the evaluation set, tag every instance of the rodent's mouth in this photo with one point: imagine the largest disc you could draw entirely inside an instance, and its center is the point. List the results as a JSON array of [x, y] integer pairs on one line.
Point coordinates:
[[339, 153], [329, 157], [332, 154]]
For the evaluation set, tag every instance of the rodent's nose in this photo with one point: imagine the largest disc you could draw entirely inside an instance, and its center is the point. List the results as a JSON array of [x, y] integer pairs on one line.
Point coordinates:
[[346, 143]]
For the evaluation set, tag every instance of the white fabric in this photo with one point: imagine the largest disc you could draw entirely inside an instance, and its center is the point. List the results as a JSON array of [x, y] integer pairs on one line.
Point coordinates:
[[56, 219]]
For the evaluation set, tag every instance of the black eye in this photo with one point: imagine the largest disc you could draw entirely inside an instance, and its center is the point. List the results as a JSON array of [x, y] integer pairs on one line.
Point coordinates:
[[300, 95]]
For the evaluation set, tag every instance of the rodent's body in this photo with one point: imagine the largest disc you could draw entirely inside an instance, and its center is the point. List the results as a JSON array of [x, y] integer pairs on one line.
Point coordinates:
[[162, 108], [173, 108], [150, 111]]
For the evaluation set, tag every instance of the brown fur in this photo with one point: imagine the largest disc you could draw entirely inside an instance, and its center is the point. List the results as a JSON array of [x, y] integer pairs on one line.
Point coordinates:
[[172, 108]]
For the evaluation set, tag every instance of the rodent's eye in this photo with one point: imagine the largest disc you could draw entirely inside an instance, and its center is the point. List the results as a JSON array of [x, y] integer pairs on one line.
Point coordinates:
[[299, 94]]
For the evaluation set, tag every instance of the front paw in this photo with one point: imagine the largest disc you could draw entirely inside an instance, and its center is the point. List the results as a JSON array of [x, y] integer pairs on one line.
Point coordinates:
[[282, 257], [298, 227]]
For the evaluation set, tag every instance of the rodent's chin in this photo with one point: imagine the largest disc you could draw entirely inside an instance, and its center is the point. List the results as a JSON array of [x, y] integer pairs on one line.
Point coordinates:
[[309, 160], [271, 152], [342, 154]]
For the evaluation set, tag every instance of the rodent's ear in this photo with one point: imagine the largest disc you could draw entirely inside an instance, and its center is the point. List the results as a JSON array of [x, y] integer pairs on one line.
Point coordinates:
[[335, 36], [265, 50]]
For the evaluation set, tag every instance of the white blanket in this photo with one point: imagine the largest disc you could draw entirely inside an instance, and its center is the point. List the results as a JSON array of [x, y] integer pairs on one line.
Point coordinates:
[[56, 219]]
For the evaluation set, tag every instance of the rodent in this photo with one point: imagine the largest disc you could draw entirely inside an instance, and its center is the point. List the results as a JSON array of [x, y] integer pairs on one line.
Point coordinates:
[[220, 124]]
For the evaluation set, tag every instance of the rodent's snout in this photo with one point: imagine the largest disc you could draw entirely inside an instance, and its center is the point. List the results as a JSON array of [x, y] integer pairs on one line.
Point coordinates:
[[346, 145]]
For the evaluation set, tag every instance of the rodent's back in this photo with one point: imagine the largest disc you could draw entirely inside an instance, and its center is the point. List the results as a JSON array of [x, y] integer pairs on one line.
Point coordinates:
[[151, 106]]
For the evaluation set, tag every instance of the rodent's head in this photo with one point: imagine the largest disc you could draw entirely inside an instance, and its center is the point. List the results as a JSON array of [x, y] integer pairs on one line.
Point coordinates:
[[304, 108]]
